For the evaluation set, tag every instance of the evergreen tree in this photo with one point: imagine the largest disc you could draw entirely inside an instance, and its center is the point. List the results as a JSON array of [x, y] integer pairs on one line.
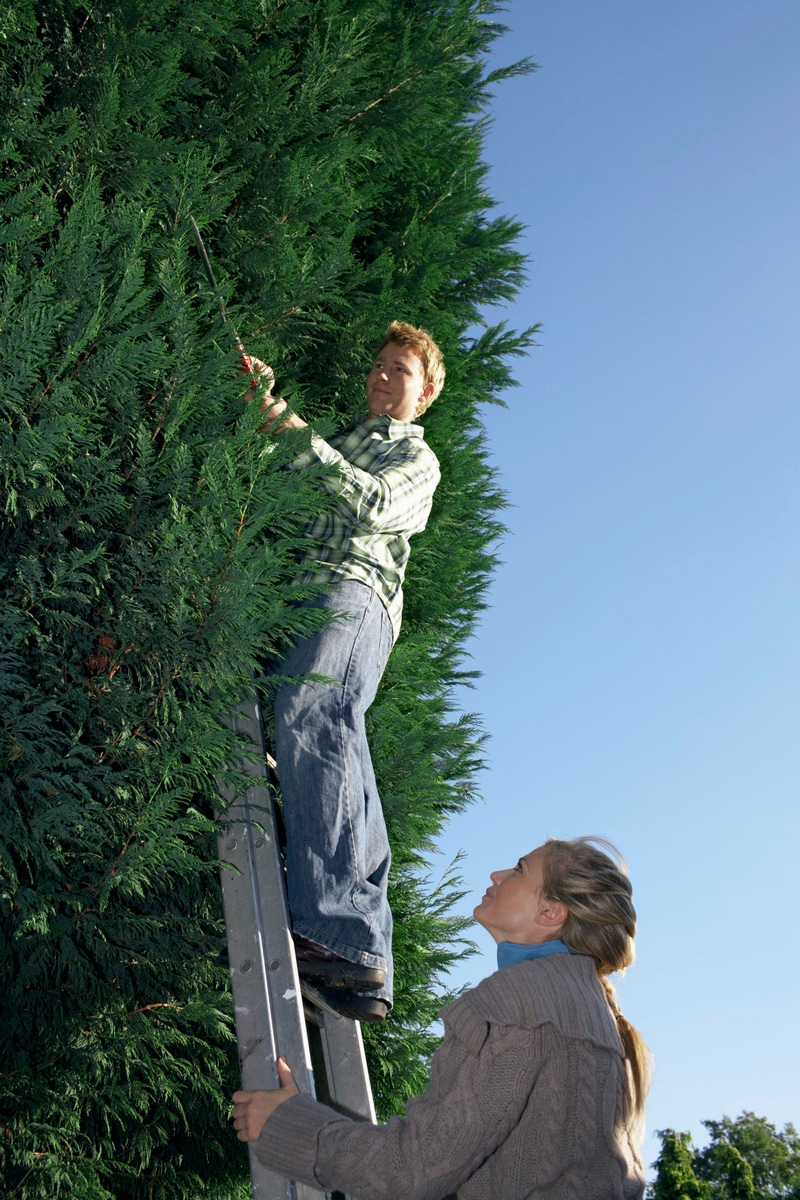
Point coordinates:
[[750, 1152], [731, 1173], [746, 1159], [675, 1177], [330, 150]]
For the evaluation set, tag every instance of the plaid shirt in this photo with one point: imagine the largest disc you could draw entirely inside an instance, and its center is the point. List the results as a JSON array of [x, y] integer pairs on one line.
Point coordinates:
[[385, 483]]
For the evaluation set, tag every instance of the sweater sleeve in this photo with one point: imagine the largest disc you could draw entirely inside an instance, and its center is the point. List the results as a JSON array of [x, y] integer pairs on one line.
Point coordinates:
[[395, 497], [478, 1090]]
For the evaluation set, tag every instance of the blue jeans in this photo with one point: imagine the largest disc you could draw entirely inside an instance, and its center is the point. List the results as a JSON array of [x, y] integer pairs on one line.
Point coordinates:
[[337, 850]]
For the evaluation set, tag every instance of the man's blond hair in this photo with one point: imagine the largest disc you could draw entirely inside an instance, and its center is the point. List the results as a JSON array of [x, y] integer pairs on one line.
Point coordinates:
[[423, 345]]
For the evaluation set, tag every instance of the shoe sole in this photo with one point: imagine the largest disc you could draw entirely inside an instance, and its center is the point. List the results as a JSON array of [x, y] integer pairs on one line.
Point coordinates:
[[357, 1008], [342, 975]]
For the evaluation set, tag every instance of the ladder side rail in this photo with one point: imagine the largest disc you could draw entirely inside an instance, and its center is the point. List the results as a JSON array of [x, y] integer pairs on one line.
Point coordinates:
[[346, 1075], [266, 989]]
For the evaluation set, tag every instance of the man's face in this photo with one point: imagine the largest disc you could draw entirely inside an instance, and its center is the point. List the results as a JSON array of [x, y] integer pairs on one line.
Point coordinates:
[[396, 385]]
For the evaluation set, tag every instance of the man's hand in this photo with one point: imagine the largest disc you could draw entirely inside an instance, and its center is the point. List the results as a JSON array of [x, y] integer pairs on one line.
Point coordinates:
[[271, 406], [251, 1110], [272, 409], [259, 373]]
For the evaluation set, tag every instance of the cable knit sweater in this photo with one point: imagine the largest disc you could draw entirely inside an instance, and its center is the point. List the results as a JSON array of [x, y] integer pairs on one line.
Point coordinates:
[[525, 1102]]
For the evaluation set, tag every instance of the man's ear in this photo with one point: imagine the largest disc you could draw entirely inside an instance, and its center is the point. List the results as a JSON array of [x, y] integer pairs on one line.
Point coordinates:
[[552, 913], [424, 399]]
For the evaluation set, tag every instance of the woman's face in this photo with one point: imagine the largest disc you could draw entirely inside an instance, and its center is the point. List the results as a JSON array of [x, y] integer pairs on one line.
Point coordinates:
[[513, 910]]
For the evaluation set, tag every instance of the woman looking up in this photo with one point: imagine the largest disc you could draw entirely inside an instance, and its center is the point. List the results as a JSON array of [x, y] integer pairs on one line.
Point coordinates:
[[538, 1089]]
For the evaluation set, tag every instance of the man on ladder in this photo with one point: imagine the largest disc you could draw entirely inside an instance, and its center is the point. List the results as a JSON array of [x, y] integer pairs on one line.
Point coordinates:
[[337, 852]]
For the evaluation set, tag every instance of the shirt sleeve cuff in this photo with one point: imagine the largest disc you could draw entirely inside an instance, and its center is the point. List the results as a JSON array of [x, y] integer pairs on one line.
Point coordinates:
[[288, 1141]]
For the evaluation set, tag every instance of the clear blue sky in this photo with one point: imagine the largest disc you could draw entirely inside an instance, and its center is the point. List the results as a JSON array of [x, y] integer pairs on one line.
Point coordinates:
[[640, 658]]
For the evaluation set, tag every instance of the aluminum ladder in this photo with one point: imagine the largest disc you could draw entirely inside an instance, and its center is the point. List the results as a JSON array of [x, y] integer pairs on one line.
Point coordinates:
[[274, 1014]]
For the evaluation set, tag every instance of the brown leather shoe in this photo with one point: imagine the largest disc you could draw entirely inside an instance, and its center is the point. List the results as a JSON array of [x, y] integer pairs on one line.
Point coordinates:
[[321, 966], [355, 1004]]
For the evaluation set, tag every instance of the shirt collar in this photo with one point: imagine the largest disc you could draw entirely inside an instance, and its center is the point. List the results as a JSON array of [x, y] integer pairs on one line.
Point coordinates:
[[509, 953], [396, 429]]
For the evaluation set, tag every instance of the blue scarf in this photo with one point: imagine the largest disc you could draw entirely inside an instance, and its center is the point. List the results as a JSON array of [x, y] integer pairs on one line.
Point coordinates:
[[509, 953]]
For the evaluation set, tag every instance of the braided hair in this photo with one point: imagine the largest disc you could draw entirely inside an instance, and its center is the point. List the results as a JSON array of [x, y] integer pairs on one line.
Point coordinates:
[[589, 877]]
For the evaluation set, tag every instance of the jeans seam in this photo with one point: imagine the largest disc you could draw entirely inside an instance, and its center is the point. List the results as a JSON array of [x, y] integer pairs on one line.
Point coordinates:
[[343, 743]]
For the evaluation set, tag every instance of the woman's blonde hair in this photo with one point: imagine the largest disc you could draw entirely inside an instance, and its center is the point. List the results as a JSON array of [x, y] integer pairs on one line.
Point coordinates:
[[420, 341], [589, 877]]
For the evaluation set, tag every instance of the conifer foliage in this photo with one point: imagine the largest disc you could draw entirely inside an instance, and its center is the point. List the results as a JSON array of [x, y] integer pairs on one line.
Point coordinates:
[[747, 1158], [330, 152]]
